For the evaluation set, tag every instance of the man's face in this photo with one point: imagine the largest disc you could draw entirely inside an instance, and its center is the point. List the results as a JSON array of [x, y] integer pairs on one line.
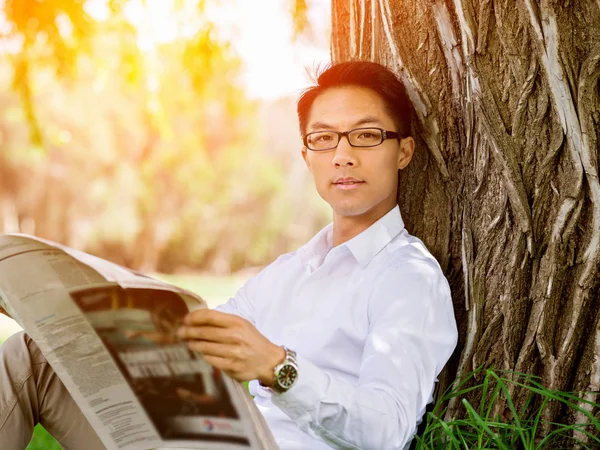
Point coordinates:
[[374, 169]]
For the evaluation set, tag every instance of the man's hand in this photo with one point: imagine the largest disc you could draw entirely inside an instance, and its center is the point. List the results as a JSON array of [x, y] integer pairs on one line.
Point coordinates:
[[232, 344]]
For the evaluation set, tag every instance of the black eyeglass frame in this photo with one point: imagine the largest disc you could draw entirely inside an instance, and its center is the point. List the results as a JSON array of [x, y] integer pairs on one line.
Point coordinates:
[[385, 134]]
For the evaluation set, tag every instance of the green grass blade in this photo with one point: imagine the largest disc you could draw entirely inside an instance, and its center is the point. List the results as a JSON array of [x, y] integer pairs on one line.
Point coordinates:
[[484, 426], [511, 406]]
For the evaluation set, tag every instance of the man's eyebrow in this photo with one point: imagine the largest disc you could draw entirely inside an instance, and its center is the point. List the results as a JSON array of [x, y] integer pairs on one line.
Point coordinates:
[[325, 126], [365, 120], [321, 126]]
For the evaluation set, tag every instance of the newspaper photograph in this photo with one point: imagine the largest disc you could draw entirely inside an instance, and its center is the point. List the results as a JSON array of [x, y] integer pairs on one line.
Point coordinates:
[[184, 396]]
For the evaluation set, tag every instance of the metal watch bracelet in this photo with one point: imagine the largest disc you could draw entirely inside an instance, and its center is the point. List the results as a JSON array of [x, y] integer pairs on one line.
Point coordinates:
[[285, 374]]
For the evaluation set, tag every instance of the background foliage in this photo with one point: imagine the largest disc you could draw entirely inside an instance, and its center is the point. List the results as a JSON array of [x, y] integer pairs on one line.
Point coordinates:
[[143, 150]]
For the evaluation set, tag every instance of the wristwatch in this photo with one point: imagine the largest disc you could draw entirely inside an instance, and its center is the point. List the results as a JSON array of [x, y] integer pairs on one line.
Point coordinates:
[[286, 373]]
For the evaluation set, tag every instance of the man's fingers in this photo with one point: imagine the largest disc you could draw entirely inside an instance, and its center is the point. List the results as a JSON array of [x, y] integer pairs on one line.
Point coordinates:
[[209, 333], [210, 317], [215, 349], [224, 364], [212, 349]]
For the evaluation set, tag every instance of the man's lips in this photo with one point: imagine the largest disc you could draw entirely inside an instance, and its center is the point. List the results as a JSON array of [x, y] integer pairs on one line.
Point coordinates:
[[348, 180], [348, 183]]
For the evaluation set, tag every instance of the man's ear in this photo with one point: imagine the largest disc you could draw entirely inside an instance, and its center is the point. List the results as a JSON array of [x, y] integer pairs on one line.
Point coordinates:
[[405, 154], [306, 159]]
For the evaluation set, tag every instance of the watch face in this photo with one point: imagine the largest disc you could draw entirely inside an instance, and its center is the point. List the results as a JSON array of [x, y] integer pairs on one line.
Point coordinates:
[[286, 377]]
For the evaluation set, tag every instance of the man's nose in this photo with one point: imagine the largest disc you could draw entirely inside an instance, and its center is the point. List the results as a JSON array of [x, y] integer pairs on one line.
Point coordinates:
[[344, 153]]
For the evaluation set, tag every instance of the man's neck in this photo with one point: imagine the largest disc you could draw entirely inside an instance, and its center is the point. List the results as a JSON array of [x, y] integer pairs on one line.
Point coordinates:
[[347, 227]]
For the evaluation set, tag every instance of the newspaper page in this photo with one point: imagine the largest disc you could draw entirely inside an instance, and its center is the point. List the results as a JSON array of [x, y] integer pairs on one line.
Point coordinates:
[[110, 335]]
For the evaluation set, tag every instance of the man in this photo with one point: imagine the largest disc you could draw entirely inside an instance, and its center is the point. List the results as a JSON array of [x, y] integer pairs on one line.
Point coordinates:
[[342, 339]]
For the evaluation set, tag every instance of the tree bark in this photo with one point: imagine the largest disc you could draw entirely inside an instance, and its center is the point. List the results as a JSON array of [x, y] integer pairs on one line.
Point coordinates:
[[504, 187]]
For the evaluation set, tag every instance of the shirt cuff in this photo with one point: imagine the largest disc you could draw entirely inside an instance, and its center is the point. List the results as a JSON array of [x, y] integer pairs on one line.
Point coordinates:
[[307, 393]]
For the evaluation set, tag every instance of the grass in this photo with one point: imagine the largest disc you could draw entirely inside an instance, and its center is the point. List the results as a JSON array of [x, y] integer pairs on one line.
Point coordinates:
[[42, 440], [517, 426]]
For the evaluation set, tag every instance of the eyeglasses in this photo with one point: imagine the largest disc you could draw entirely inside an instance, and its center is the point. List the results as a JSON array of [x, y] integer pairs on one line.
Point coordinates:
[[320, 141]]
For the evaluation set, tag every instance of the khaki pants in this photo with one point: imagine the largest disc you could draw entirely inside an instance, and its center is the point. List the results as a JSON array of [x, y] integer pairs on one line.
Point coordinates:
[[31, 393]]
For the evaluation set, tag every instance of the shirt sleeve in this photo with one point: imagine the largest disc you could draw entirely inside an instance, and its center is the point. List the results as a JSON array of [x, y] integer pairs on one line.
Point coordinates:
[[246, 302], [243, 304], [412, 334]]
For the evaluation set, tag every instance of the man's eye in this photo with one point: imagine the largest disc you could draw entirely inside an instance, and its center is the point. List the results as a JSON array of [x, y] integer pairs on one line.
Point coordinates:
[[366, 135], [324, 138]]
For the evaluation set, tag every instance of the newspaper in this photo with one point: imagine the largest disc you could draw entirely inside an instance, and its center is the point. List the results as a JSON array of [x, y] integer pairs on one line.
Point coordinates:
[[110, 335]]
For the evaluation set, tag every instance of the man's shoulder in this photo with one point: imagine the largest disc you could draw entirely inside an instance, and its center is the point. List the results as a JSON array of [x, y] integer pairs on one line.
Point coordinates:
[[285, 259], [409, 280], [408, 252], [283, 263]]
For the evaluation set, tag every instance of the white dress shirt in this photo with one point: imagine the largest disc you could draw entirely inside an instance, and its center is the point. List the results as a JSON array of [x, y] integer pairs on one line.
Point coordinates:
[[373, 325]]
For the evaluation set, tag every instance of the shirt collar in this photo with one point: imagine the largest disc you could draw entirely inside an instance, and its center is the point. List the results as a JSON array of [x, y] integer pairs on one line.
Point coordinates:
[[367, 244], [314, 251], [363, 247]]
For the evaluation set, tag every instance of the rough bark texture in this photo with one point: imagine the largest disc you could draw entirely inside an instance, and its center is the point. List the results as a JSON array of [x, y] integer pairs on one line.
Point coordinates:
[[504, 187]]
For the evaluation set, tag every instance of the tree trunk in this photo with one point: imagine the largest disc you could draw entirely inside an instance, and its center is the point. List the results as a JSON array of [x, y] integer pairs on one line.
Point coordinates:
[[504, 186]]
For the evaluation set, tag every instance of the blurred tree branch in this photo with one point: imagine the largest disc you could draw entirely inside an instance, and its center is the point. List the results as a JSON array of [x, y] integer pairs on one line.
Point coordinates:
[[62, 27], [301, 23]]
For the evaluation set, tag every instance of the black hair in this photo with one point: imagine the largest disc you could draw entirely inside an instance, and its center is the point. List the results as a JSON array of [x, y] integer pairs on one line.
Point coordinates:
[[370, 75]]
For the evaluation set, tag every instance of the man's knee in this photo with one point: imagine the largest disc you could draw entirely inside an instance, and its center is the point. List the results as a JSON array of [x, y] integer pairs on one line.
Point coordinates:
[[21, 342], [21, 353], [14, 345]]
